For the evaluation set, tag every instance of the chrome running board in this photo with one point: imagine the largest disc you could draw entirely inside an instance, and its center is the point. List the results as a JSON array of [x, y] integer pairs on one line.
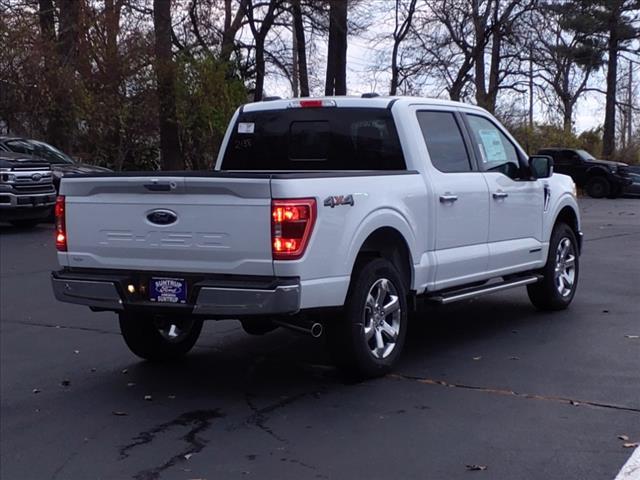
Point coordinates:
[[470, 292]]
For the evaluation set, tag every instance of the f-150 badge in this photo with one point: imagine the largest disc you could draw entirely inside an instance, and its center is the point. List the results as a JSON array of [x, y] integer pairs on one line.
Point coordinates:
[[336, 200]]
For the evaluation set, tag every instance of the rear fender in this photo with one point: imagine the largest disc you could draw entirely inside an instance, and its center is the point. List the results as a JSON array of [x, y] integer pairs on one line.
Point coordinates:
[[382, 218]]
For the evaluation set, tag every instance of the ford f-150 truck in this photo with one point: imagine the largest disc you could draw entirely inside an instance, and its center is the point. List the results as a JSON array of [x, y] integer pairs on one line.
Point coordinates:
[[27, 195], [328, 214]]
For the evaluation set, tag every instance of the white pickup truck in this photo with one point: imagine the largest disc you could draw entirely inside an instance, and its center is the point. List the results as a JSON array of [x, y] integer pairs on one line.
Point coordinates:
[[331, 214]]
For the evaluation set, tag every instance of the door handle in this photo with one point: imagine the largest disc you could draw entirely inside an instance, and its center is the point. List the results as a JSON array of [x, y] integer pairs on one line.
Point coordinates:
[[499, 194], [448, 198]]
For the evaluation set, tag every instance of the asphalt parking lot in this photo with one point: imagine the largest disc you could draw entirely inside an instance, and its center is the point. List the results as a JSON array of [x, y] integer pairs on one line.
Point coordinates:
[[488, 383]]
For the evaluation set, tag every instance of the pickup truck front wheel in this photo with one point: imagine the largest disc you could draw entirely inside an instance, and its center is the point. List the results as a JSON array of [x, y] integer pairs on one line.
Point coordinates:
[[369, 338], [598, 187], [560, 274], [159, 338]]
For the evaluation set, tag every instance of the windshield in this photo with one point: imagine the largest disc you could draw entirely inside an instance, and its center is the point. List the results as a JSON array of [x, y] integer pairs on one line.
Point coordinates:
[[314, 139], [586, 155], [39, 149]]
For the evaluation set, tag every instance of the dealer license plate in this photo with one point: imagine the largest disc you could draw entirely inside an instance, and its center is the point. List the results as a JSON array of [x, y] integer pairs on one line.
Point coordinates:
[[168, 290]]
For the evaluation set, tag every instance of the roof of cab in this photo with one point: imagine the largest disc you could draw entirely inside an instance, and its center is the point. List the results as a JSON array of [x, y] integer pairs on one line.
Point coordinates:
[[359, 102]]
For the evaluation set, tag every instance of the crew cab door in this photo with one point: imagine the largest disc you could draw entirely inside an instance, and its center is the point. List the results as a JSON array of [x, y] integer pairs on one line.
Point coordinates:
[[516, 202], [461, 201]]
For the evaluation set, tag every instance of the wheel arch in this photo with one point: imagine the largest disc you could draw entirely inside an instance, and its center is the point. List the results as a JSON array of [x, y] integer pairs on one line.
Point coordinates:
[[390, 244], [596, 172], [569, 216]]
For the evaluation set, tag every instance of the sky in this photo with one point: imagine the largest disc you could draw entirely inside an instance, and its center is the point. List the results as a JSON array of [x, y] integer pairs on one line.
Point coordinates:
[[362, 53]]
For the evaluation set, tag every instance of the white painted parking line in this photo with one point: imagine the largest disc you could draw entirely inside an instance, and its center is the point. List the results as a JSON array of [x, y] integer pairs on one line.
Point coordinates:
[[631, 469]]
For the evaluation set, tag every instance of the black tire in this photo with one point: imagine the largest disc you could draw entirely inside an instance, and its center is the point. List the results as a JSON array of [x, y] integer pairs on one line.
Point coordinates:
[[353, 352], [146, 336], [30, 223], [598, 187], [258, 326], [615, 191], [547, 294]]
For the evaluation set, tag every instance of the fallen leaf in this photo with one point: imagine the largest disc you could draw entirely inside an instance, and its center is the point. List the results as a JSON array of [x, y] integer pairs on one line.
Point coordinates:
[[188, 456], [574, 403], [477, 358], [630, 445], [36, 390], [125, 371], [76, 352], [65, 383], [476, 467], [148, 398], [119, 413], [623, 437]]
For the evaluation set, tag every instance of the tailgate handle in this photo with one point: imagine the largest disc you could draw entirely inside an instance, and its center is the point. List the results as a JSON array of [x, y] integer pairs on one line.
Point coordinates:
[[158, 187]]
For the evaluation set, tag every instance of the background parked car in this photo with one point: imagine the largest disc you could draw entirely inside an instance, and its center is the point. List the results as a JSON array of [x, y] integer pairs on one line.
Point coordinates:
[[61, 163], [599, 178], [27, 195], [634, 189]]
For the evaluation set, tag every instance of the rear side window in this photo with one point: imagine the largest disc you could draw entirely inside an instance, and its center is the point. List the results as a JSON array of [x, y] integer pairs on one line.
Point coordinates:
[[330, 138], [444, 141]]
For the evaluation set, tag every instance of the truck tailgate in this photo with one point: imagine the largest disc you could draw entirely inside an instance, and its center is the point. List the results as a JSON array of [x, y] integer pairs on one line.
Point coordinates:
[[194, 224]]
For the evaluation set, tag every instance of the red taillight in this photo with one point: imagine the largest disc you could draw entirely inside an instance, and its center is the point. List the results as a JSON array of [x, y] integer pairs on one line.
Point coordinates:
[[291, 226], [61, 227]]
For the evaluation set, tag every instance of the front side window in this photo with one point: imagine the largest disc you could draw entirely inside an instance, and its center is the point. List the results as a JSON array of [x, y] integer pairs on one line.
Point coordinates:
[[497, 153], [444, 141]]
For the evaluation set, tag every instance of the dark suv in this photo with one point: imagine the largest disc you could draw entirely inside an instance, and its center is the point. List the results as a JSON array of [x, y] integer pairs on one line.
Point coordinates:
[[599, 178]]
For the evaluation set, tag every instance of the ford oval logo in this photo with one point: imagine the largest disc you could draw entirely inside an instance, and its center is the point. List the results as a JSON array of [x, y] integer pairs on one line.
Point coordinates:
[[162, 217]]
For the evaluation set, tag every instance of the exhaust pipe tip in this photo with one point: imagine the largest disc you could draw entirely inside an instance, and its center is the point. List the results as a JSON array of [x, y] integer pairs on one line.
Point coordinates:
[[316, 330]]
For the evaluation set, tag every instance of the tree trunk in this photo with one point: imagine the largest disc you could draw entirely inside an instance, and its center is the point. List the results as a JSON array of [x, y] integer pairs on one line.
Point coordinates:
[[47, 22], [170, 157], [479, 24], [494, 72], [260, 69], [393, 88], [112, 10], [609, 134], [232, 24], [336, 79], [301, 48], [567, 116]]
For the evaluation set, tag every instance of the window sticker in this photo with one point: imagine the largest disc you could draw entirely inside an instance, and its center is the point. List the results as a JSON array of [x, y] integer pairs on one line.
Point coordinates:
[[493, 148], [246, 127]]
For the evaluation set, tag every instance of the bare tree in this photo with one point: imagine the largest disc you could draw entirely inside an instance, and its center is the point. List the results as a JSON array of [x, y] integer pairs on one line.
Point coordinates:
[[403, 17], [260, 27], [565, 59]]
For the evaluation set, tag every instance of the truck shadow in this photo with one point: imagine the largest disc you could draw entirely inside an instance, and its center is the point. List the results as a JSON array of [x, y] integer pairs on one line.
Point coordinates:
[[227, 360]]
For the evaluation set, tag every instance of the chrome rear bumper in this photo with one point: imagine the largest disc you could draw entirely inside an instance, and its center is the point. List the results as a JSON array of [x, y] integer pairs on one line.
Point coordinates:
[[274, 297]]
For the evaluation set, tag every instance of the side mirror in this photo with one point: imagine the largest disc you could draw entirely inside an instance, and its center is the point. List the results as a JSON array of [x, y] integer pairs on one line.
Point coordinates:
[[541, 166]]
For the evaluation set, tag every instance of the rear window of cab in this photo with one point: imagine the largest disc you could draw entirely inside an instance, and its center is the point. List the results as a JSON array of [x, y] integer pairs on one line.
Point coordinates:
[[334, 138]]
